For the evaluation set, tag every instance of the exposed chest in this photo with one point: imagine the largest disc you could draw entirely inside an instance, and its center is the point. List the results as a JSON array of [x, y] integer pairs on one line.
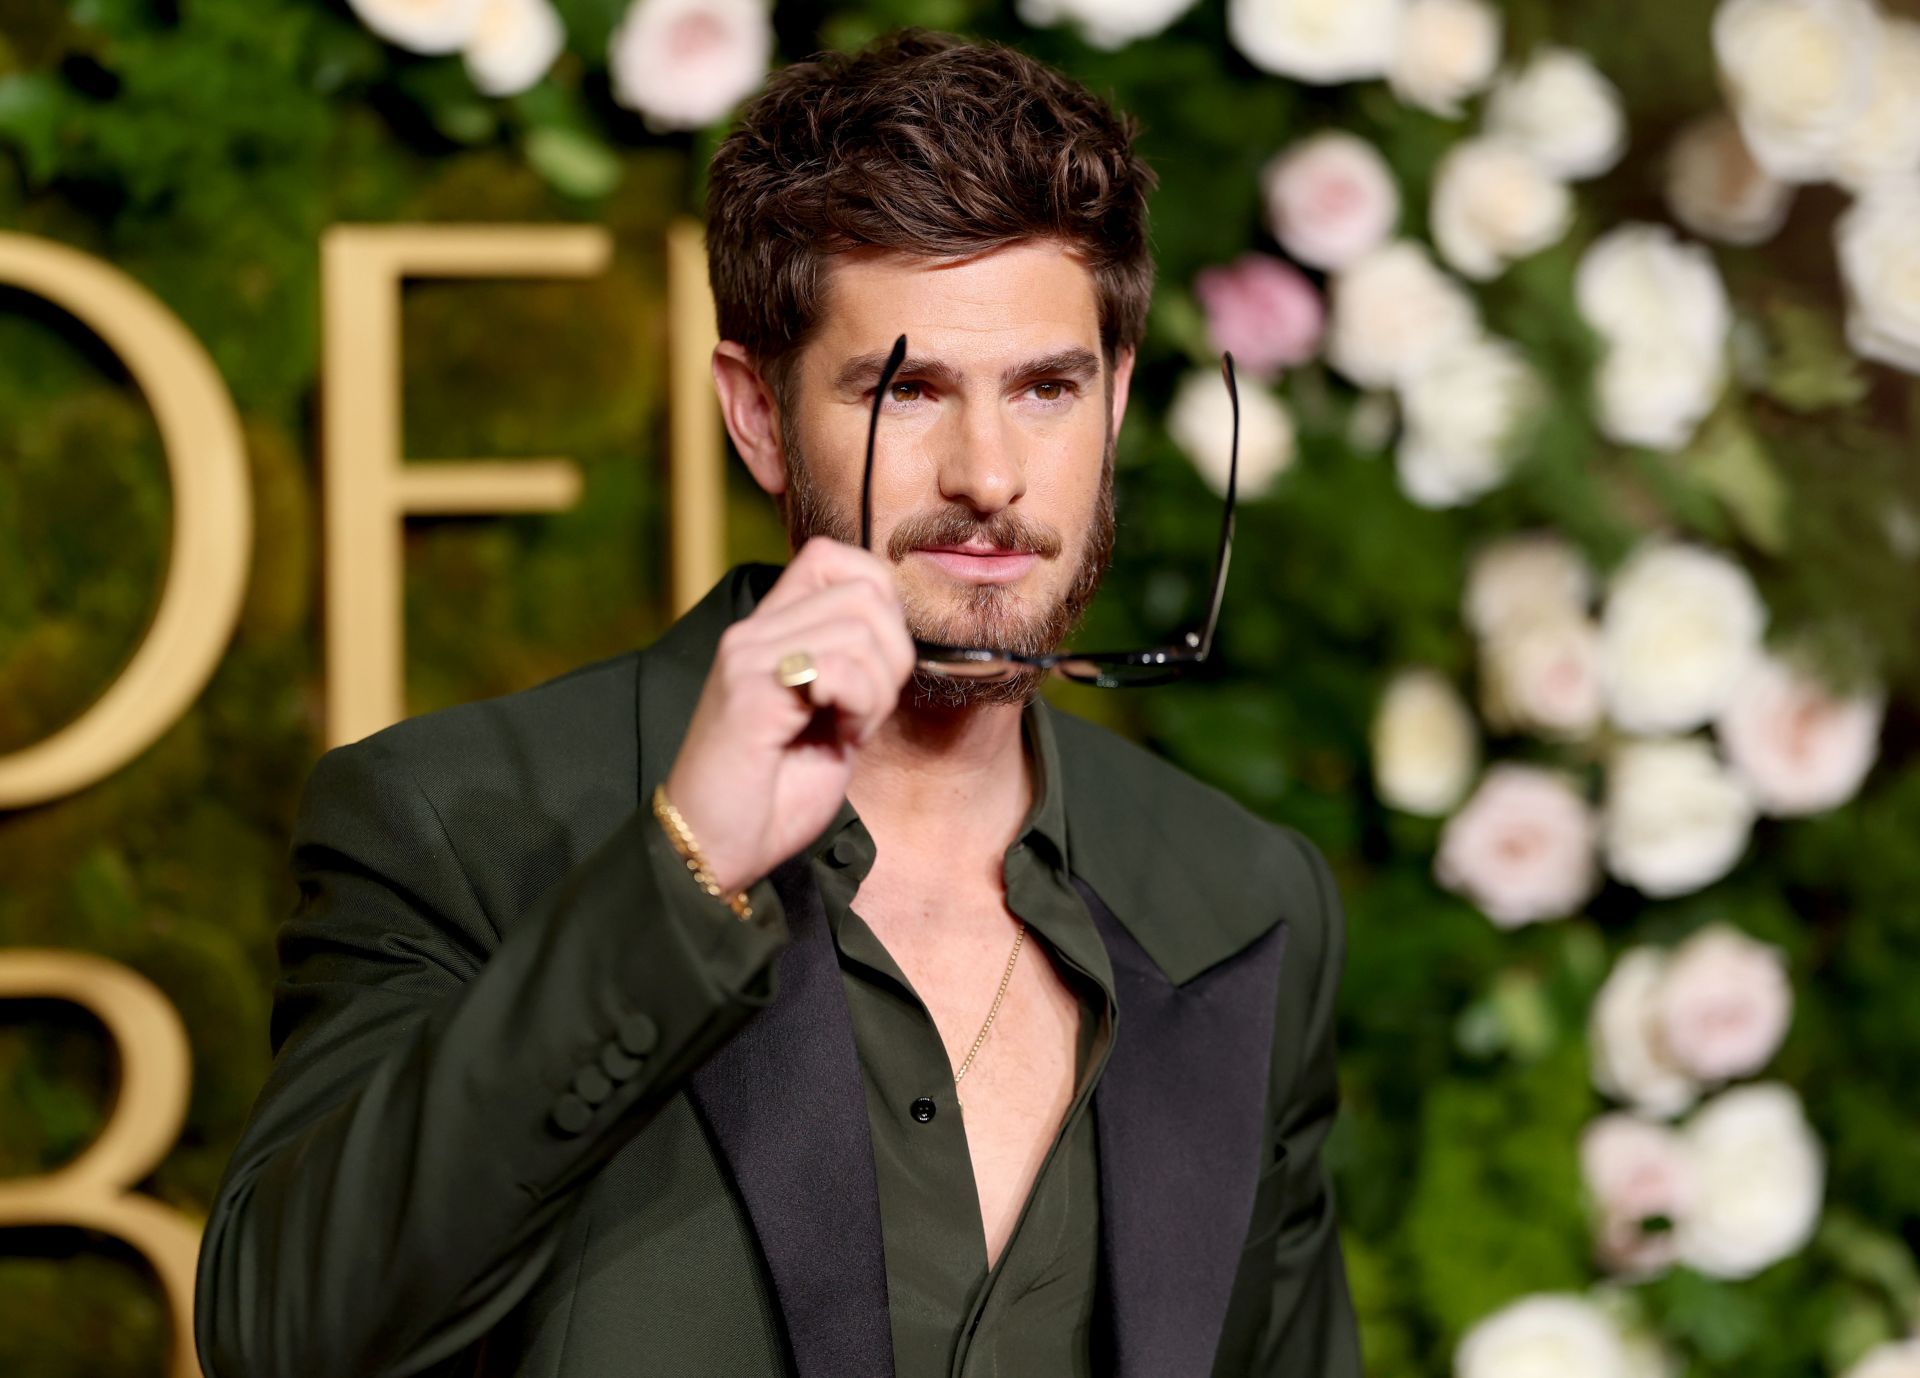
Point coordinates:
[[953, 945]]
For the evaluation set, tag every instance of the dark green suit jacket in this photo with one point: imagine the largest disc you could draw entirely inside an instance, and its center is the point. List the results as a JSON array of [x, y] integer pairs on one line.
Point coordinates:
[[517, 1123]]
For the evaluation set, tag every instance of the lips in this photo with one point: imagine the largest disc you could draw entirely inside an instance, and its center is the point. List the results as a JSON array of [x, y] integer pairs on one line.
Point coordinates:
[[980, 564]]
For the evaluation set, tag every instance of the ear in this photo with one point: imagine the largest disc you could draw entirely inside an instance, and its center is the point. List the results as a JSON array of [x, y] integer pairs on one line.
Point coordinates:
[[752, 416], [1122, 381]]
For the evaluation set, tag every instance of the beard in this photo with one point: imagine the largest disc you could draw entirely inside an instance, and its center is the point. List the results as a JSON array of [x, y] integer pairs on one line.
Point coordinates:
[[987, 615]]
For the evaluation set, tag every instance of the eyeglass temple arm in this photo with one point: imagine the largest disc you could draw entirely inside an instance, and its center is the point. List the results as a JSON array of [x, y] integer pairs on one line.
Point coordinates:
[[1226, 519], [895, 358]]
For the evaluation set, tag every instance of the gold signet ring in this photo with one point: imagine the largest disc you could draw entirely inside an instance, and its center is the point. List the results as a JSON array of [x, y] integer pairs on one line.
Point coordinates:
[[795, 669]]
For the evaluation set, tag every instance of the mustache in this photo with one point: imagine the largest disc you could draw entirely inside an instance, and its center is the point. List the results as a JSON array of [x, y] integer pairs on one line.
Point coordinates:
[[956, 525]]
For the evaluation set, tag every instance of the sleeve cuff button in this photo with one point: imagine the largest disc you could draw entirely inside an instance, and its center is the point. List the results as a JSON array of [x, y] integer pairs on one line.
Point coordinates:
[[571, 1115], [638, 1034], [592, 1085]]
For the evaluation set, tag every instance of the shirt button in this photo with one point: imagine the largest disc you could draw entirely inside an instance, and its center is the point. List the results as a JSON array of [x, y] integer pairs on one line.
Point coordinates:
[[842, 851], [923, 1109]]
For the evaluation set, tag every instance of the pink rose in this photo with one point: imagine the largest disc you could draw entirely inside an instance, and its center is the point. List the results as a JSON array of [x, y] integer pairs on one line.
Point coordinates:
[[1543, 674], [1799, 747], [1725, 1003], [684, 64], [1637, 1173], [1263, 311], [1331, 199], [1522, 848]]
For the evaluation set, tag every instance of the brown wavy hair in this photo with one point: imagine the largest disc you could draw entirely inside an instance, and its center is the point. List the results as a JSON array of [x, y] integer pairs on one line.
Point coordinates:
[[926, 143]]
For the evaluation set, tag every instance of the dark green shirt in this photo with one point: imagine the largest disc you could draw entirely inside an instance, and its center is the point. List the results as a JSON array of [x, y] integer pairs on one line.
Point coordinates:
[[1031, 1313]]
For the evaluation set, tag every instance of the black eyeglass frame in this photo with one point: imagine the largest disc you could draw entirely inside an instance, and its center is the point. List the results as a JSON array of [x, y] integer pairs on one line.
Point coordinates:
[[1104, 669]]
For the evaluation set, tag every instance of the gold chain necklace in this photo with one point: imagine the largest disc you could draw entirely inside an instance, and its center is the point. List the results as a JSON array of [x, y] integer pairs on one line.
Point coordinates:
[[1019, 938]]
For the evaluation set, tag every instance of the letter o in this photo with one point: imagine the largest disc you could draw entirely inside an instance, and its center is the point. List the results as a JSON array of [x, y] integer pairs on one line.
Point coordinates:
[[212, 535]]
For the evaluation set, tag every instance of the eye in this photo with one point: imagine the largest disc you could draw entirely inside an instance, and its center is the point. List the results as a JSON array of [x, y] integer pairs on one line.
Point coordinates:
[[1059, 390], [897, 388]]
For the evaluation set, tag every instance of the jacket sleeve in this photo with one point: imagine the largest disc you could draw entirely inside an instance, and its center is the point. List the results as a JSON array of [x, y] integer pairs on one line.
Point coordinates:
[[439, 1095], [1311, 1331]]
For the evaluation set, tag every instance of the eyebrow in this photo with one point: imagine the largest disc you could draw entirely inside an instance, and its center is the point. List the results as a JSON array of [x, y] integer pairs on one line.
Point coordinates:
[[863, 370]]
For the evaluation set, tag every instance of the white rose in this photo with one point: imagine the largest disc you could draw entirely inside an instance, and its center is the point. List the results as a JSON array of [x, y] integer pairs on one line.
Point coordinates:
[[1106, 24], [1725, 1003], [1637, 283], [1200, 420], [421, 26], [513, 45], [1880, 264], [1680, 626], [1626, 1047], [1674, 819], [1391, 312], [1760, 1175], [1799, 747], [684, 64], [1885, 140], [1542, 674], [1635, 1171], [1655, 392], [1717, 190], [1446, 51], [1896, 1359], [1560, 109], [1330, 199], [1493, 203], [1466, 416], [1424, 742], [1799, 74], [1316, 41], [1549, 1335], [1522, 848], [1520, 578]]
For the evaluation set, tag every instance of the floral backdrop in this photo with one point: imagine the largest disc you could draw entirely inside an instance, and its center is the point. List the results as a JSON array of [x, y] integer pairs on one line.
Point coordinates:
[[1572, 605]]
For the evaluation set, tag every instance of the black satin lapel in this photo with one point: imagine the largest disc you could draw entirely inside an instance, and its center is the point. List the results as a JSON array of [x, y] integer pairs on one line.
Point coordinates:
[[1180, 1114], [785, 1102]]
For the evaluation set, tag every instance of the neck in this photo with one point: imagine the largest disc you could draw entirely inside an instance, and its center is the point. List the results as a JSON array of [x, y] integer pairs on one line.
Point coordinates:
[[948, 780]]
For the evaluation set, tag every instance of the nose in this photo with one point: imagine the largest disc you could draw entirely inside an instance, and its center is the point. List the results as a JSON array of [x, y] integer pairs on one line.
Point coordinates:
[[983, 465]]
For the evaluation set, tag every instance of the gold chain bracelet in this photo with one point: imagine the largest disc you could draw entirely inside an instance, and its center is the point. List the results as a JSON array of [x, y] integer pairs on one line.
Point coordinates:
[[681, 836]]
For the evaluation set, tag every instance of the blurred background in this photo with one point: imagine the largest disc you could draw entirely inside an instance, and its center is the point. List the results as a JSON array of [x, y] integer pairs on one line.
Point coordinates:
[[1571, 611]]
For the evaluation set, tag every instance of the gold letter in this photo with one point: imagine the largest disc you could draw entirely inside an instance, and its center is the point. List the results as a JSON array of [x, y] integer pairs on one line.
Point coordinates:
[[212, 521], [369, 487], [697, 483], [91, 1192]]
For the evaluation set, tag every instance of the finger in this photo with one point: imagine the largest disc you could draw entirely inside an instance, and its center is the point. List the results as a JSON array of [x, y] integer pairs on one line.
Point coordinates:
[[848, 686], [859, 602], [858, 642], [822, 562]]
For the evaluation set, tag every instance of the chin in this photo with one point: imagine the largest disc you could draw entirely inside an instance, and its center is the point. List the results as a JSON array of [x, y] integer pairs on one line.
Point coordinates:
[[996, 616]]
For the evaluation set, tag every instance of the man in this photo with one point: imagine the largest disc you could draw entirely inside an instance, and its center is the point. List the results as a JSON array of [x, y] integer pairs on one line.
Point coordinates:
[[767, 1001]]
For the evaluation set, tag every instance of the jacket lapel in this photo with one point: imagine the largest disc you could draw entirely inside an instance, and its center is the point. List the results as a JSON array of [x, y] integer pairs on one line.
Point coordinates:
[[785, 1103], [1179, 1114]]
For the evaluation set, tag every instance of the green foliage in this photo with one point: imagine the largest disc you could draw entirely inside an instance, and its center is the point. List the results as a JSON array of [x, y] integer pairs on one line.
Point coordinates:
[[1495, 1211]]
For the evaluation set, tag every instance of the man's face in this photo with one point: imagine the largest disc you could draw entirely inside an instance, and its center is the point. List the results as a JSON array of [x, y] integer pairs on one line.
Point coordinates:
[[992, 473]]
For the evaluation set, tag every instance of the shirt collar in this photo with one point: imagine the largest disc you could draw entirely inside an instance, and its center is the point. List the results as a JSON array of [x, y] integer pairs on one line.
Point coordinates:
[[1046, 818]]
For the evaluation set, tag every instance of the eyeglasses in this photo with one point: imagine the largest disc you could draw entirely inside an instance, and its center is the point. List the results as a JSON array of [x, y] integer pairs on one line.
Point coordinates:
[[1106, 669]]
